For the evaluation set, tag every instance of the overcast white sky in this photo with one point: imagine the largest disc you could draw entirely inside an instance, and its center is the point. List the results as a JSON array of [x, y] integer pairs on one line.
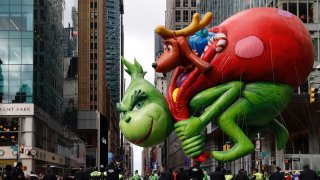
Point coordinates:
[[140, 19]]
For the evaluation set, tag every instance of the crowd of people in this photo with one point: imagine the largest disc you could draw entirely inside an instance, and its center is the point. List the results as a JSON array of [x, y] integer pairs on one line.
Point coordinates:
[[196, 173], [111, 172], [114, 172]]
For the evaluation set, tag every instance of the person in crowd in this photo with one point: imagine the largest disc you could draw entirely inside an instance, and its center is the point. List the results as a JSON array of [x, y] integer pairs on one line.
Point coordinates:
[[277, 175], [181, 175], [81, 174], [228, 175], [296, 176], [169, 175], [154, 175], [18, 172], [112, 172], [95, 174], [195, 172], [256, 174], [8, 173], [50, 175], [242, 175], [308, 174], [205, 175], [121, 177], [217, 174], [265, 175], [287, 175], [67, 176], [40, 176], [162, 176], [136, 175], [175, 175], [33, 176]]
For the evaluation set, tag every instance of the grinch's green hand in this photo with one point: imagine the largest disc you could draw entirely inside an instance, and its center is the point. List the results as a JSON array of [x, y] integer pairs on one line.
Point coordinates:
[[188, 128], [189, 133], [193, 146]]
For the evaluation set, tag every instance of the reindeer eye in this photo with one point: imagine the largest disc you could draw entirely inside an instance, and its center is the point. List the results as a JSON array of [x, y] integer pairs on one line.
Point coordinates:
[[165, 47], [170, 48]]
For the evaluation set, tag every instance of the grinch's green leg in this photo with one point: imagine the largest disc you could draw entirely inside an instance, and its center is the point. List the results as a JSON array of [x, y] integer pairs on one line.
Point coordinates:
[[280, 132], [227, 123]]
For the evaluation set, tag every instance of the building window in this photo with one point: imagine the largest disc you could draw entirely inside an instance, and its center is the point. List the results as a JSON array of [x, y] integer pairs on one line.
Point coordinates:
[[193, 3], [93, 35], [42, 16], [192, 13], [35, 14], [41, 2], [178, 3], [178, 16], [93, 25], [93, 4], [185, 16], [185, 3], [93, 15], [178, 27]]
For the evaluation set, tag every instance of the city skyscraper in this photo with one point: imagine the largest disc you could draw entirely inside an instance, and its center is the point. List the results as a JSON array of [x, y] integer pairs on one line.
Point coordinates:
[[92, 89], [48, 56], [31, 82], [97, 120], [91, 80], [113, 48]]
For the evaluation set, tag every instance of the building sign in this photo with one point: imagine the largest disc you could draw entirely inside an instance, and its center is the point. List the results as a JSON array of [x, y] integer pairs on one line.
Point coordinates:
[[43, 155], [16, 109]]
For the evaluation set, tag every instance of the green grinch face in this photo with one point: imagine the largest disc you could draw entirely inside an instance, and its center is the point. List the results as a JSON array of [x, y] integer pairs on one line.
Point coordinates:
[[146, 119]]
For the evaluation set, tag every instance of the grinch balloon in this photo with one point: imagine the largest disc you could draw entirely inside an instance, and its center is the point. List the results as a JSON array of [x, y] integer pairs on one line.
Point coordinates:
[[241, 82], [146, 119]]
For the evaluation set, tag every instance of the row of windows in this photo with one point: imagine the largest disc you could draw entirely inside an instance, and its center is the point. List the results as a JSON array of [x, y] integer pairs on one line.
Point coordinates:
[[93, 5], [93, 15], [186, 17], [41, 16], [93, 77], [185, 3], [16, 94], [93, 35], [93, 25], [16, 34], [27, 2], [16, 21], [93, 45], [16, 51], [93, 66]]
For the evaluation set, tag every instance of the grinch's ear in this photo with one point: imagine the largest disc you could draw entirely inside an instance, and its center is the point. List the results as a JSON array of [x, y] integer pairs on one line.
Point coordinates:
[[134, 70]]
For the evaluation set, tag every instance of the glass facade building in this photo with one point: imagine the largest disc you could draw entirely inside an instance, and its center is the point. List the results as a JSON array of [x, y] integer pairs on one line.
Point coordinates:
[[16, 51], [48, 56], [113, 48]]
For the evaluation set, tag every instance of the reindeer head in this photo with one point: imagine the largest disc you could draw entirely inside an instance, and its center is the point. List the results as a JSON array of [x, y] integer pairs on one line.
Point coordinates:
[[177, 51]]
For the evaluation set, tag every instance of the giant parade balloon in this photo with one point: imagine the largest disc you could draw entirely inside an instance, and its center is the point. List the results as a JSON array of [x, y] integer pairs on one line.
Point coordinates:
[[241, 80]]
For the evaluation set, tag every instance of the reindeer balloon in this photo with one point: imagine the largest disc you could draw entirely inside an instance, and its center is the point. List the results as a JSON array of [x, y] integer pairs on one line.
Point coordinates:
[[241, 82]]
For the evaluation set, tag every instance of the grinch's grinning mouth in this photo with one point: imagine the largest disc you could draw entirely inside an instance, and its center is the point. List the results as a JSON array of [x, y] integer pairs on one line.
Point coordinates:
[[145, 137]]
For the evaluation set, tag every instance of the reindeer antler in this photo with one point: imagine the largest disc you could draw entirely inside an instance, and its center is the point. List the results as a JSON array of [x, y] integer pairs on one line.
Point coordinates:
[[193, 27]]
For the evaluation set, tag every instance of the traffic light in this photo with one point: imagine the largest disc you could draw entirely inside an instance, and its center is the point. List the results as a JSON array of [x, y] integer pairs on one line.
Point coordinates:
[[313, 95]]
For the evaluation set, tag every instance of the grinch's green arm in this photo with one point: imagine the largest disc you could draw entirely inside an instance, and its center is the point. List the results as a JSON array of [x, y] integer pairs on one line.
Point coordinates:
[[214, 101]]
